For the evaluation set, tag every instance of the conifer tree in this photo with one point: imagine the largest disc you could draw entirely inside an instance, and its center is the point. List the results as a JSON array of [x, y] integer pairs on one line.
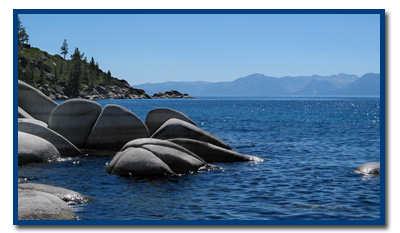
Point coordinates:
[[23, 37], [75, 74], [108, 77], [64, 48]]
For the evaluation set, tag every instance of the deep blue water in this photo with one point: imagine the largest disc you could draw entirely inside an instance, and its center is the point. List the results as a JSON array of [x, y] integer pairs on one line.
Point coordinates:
[[312, 146]]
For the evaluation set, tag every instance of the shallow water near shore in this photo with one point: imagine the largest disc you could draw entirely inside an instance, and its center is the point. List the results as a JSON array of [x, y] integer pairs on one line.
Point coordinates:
[[312, 146]]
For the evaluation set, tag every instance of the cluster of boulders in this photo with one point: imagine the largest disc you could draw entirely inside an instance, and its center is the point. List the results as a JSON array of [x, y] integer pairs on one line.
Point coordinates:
[[170, 94], [59, 91], [167, 143]]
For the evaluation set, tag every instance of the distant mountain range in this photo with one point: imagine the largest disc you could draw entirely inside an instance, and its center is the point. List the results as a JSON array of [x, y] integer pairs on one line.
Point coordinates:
[[261, 85]]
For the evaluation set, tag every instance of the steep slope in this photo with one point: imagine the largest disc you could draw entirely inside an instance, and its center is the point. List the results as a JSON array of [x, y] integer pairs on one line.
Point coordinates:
[[53, 74]]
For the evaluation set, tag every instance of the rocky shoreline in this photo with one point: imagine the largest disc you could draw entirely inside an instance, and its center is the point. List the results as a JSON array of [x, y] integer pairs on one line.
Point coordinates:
[[59, 91], [168, 143]]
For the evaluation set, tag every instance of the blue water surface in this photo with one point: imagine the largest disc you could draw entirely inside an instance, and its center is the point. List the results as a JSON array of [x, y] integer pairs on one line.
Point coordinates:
[[312, 146]]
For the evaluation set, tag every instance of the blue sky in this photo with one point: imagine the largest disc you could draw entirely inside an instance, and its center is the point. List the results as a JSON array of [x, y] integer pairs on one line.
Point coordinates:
[[220, 47]]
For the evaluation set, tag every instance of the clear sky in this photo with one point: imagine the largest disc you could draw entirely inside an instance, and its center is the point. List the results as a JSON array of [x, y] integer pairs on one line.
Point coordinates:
[[219, 47]]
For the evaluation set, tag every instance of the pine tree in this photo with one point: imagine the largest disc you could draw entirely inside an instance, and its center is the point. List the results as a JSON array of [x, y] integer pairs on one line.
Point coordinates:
[[64, 48], [108, 77], [23, 37], [75, 74], [92, 67]]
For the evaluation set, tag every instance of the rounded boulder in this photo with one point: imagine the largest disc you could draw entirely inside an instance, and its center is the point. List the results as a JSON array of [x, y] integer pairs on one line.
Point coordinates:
[[145, 157], [212, 153], [158, 116], [137, 162], [34, 102], [32, 148], [64, 147], [74, 119], [175, 128], [62, 193], [115, 127], [373, 168], [37, 205]]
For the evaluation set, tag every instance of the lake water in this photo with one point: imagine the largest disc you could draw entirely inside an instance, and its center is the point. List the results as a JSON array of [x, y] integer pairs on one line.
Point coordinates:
[[312, 146]]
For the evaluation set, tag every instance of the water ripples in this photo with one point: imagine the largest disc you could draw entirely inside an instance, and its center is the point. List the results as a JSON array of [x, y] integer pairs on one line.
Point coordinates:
[[311, 146]]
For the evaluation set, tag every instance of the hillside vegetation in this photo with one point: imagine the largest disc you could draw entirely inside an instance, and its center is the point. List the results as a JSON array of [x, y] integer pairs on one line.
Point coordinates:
[[61, 78]]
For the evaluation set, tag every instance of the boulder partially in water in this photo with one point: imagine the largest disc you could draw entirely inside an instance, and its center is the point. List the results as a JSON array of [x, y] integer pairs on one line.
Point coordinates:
[[37, 205], [373, 168], [152, 141], [34, 102], [62, 193], [175, 128], [212, 153], [153, 159], [64, 147], [74, 119], [115, 127], [137, 162], [158, 116], [32, 149]]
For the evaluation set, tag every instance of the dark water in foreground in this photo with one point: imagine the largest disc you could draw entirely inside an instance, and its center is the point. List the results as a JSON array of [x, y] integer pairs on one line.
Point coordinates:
[[312, 146]]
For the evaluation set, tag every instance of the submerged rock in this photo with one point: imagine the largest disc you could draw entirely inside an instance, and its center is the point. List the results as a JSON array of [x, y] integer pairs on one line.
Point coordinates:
[[114, 128], [212, 153], [152, 157], [175, 128], [369, 168], [64, 147], [32, 148], [37, 205], [34, 102], [74, 119], [156, 117]]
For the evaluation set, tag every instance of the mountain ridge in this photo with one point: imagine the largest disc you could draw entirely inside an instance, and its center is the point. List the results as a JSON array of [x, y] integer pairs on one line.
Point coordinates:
[[261, 85]]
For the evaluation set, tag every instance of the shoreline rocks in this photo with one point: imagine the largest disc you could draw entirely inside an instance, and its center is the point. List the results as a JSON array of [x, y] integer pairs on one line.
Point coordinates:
[[74, 119], [169, 142], [152, 157], [34, 102], [32, 149], [115, 127], [175, 128], [212, 153], [62, 193], [46, 202], [64, 147], [37, 205], [158, 116]]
